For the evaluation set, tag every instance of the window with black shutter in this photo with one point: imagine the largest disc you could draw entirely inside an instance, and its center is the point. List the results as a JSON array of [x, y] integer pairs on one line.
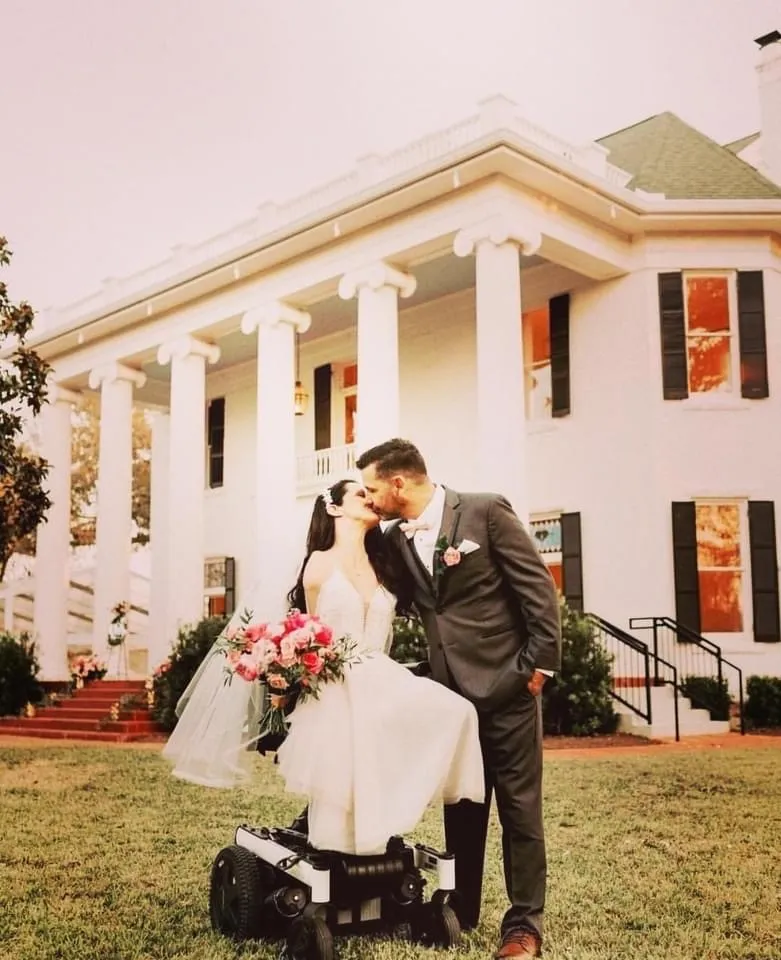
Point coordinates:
[[572, 560], [764, 571], [323, 380], [687, 587], [559, 355], [751, 332], [675, 374], [215, 441]]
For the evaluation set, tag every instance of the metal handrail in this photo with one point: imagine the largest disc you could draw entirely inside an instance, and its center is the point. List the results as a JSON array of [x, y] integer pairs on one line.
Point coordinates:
[[647, 655], [685, 635]]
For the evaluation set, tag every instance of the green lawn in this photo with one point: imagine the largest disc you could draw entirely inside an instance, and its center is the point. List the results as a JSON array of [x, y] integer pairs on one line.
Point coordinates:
[[103, 856]]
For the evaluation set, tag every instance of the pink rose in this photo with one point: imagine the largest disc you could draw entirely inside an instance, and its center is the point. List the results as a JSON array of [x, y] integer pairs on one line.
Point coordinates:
[[277, 681], [247, 671], [254, 632], [324, 636], [312, 662], [451, 557]]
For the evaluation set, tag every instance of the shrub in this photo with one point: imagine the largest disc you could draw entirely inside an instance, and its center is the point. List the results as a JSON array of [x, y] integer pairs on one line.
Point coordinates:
[[409, 640], [578, 701], [763, 703], [172, 677], [708, 693], [18, 674]]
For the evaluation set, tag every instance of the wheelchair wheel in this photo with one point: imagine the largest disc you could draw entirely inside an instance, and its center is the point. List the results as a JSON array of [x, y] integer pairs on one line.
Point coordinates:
[[438, 925], [235, 894], [310, 939]]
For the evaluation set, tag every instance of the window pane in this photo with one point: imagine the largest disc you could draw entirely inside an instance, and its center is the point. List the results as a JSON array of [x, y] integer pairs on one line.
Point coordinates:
[[555, 571], [720, 601], [718, 535], [539, 392], [350, 406], [350, 378], [709, 364], [537, 339], [707, 304]]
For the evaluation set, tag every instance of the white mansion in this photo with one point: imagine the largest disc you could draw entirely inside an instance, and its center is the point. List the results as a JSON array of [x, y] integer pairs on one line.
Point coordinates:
[[592, 329]]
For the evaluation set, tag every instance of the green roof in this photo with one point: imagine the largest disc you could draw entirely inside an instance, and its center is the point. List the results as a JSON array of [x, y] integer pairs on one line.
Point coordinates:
[[666, 155], [738, 146]]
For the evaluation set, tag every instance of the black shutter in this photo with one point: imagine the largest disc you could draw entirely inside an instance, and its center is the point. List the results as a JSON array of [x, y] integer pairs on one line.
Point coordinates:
[[559, 355], [230, 586], [675, 373], [215, 440], [751, 331], [764, 571], [572, 560], [687, 583], [323, 407]]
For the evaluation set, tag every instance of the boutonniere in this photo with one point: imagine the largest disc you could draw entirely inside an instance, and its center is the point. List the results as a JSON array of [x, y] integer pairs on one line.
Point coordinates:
[[446, 555]]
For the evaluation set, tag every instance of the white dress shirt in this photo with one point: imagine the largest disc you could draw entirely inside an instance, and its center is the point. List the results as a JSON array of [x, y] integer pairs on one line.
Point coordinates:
[[425, 541]]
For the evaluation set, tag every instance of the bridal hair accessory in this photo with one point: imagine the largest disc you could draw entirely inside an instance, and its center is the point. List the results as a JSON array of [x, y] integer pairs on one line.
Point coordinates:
[[327, 497]]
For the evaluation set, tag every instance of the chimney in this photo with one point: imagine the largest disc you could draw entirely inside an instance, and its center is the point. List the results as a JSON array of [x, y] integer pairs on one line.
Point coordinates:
[[769, 73]]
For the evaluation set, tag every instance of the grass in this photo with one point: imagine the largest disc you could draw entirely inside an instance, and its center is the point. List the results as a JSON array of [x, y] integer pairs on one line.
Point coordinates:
[[103, 856]]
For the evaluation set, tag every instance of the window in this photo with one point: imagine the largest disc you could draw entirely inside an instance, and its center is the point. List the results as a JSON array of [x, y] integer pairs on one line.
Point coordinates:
[[215, 442], [537, 363], [350, 400], [219, 586], [720, 566], [709, 340], [546, 534]]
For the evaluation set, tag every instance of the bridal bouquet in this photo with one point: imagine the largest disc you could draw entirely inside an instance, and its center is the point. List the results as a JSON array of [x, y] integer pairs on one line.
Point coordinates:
[[292, 658]]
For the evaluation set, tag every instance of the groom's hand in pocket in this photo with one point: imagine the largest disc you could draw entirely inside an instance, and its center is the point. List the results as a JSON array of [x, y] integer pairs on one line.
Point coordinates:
[[536, 683]]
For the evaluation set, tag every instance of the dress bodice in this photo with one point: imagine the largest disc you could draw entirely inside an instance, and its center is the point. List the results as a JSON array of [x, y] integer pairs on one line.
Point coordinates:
[[346, 612]]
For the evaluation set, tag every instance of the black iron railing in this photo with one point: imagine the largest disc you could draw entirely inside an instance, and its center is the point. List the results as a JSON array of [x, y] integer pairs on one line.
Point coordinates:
[[635, 670], [693, 655]]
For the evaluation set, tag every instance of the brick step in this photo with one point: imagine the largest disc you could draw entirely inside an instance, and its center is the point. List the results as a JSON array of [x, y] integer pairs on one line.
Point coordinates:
[[88, 713], [632, 682], [103, 736], [84, 697], [121, 686], [55, 723]]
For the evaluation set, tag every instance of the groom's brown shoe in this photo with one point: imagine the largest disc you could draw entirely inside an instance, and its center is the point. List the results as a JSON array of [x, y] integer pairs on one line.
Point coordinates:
[[519, 945]]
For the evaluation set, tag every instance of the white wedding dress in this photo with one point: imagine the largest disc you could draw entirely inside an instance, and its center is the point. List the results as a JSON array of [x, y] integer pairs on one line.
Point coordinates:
[[370, 754], [373, 752]]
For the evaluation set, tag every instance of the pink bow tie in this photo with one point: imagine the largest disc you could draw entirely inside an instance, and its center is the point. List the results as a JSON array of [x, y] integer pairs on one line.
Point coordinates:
[[411, 527]]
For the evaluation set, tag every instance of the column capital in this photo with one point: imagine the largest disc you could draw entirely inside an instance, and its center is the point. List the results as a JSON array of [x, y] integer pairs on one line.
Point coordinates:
[[498, 230], [374, 276], [187, 346], [113, 372], [273, 314]]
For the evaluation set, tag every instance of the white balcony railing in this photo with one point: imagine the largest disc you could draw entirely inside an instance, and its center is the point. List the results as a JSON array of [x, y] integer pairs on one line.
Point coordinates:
[[321, 468]]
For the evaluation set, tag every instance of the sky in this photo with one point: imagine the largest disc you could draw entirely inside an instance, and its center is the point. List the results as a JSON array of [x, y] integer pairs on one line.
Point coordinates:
[[131, 127]]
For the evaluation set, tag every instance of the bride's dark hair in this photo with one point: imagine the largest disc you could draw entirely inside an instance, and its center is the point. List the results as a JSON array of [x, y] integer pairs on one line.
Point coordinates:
[[322, 536]]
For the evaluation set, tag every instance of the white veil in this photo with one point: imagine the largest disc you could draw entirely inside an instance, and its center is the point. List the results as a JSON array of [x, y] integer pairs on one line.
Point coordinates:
[[219, 723]]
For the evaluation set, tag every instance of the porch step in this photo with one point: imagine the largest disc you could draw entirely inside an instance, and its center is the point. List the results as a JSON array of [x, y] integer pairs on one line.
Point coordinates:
[[691, 722], [87, 716]]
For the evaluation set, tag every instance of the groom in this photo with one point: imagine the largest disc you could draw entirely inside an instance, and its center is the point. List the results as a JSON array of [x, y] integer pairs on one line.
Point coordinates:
[[491, 616]]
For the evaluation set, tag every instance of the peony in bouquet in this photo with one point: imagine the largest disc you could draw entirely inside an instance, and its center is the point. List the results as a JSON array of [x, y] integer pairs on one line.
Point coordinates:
[[292, 658]]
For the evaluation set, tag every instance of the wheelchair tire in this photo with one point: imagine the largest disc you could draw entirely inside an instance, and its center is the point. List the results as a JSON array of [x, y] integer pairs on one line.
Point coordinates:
[[236, 894], [309, 938], [438, 925]]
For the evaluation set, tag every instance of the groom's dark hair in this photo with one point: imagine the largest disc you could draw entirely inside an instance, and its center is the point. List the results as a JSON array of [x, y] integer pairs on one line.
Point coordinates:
[[394, 456]]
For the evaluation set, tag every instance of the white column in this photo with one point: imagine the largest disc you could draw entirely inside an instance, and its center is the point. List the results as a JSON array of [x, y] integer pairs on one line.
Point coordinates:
[[186, 479], [52, 545], [501, 406], [279, 551], [159, 641], [113, 537], [378, 288]]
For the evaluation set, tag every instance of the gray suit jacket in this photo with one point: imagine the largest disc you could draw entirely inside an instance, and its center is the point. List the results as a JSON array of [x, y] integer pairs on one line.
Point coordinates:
[[493, 618]]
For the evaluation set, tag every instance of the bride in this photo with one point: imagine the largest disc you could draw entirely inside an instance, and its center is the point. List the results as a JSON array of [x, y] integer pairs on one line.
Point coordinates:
[[371, 752]]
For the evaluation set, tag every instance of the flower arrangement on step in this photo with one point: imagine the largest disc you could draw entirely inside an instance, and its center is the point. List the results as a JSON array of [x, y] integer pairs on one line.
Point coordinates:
[[292, 659], [117, 630], [87, 668]]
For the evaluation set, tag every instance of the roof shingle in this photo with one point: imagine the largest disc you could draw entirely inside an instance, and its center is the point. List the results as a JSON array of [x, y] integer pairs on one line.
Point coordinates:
[[666, 155]]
